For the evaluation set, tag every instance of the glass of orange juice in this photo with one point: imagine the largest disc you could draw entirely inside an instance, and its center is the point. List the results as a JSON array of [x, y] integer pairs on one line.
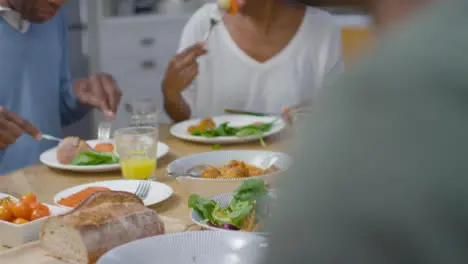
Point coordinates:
[[137, 148]]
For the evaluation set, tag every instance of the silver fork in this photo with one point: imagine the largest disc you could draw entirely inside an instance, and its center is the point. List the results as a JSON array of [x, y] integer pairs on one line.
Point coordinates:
[[49, 137], [104, 130], [143, 189], [213, 23]]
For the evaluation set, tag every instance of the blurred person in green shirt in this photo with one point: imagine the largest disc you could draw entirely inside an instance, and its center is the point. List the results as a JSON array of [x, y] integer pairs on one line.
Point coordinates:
[[381, 177]]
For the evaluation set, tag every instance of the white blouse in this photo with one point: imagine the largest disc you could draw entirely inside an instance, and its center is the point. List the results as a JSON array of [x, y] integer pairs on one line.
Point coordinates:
[[229, 78]]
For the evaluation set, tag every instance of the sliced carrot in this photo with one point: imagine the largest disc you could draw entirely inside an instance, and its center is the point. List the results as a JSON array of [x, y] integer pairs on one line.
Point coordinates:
[[76, 198], [249, 222], [104, 147]]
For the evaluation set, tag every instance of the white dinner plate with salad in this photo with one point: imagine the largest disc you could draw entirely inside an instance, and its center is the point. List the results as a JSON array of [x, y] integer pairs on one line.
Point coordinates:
[[230, 129], [49, 158], [158, 192]]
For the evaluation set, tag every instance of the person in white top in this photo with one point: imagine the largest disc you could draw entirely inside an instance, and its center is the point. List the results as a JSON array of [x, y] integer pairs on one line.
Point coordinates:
[[268, 56]]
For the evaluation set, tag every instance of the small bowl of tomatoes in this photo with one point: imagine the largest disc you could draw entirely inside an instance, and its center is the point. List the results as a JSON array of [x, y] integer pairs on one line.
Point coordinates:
[[21, 219]]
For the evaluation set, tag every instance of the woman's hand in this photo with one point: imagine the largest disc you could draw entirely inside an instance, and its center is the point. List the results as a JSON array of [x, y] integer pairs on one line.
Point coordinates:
[[182, 70]]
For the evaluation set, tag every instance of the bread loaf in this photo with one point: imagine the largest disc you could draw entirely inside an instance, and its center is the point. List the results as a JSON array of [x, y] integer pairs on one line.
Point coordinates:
[[103, 221]]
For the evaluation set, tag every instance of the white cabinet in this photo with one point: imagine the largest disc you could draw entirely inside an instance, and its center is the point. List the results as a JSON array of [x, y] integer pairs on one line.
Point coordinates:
[[136, 52]]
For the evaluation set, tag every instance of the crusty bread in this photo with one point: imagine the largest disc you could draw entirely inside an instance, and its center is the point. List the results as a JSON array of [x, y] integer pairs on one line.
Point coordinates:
[[98, 198], [103, 221], [69, 148]]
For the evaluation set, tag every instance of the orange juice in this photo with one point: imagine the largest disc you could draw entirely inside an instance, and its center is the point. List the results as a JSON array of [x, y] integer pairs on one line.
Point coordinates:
[[138, 168]]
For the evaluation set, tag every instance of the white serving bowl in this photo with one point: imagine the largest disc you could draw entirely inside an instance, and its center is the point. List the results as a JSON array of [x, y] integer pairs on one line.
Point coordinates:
[[191, 247], [213, 187], [13, 235]]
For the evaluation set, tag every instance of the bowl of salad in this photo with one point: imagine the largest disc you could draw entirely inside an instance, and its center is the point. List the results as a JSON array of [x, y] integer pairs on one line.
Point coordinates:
[[244, 210]]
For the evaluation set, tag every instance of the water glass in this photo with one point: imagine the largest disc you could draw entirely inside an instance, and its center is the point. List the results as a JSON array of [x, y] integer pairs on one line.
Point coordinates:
[[143, 112], [137, 148]]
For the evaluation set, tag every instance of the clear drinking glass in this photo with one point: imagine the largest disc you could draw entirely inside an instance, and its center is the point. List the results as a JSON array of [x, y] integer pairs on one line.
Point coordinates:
[[142, 112], [137, 148]]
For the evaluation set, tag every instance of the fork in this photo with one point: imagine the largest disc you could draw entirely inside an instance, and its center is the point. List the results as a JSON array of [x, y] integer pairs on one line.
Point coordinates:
[[49, 137], [213, 23], [104, 130], [143, 189]]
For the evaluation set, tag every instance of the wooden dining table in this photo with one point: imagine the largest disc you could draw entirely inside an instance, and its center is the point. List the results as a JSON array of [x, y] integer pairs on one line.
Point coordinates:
[[46, 182]]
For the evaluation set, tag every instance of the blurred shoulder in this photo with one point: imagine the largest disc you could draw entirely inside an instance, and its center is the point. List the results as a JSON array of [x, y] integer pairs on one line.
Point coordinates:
[[320, 19], [320, 28], [59, 21]]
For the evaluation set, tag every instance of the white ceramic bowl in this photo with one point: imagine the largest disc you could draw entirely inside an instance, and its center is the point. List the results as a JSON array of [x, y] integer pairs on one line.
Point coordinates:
[[13, 235], [191, 247], [213, 187]]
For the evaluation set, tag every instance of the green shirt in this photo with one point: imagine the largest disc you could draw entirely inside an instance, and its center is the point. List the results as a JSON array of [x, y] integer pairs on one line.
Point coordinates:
[[382, 169]]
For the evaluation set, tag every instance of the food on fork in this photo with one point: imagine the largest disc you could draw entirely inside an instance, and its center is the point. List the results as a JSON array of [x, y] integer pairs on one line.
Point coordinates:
[[236, 169], [69, 148], [230, 6], [100, 223]]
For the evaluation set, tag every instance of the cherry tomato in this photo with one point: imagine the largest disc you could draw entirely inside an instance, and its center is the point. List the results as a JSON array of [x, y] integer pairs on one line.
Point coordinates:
[[20, 221], [22, 210], [29, 198], [42, 207], [37, 214], [5, 213]]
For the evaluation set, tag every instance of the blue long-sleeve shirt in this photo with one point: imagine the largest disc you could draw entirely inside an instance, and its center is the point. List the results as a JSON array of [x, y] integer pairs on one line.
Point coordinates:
[[35, 83]]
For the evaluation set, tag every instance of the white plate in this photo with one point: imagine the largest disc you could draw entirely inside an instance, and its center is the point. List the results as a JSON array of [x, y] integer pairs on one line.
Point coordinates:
[[203, 247], [179, 130], [13, 235], [159, 191], [49, 158]]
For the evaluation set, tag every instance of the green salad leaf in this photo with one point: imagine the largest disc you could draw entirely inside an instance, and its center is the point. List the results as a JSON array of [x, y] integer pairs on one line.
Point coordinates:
[[90, 158], [203, 206], [234, 215], [252, 193], [216, 147], [251, 190]]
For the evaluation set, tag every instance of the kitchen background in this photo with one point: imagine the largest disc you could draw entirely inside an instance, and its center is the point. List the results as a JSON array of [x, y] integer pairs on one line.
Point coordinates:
[[134, 39]]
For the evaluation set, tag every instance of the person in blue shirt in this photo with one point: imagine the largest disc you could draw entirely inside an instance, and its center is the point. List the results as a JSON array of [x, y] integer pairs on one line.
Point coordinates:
[[37, 94]]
